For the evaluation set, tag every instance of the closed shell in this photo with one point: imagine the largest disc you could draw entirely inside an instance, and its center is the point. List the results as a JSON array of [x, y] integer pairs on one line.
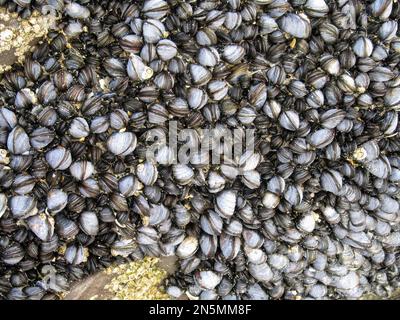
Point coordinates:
[[42, 226], [41, 137], [79, 128], [59, 158], [166, 49], [75, 10], [261, 272], [207, 279], [289, 120], [331, 181], [363, 47], [3, 204], [208, 56], [321, 138], [226, 203], [197, 98], [147, 173], [23, 206], [137, 70], [233, 53], [297, 26], [183, 173], [56, 200], [81, 170], [8, 118], [200, 75], [270, 200]]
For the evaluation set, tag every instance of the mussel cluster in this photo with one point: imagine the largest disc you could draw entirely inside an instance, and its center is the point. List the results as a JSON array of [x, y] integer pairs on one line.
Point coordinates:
[[311, 213]]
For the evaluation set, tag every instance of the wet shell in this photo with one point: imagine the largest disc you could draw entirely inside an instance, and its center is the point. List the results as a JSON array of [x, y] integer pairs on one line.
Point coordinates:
[[137, 70], [3, 204], [331, 181], [81, 170], [255, 141], [208, 57], [18, 141], [79, 128], [225, 203], [322, 138], [8, 118], [166, 49], [56, 200], [41, 137], [42, 226], [183, 173], [75, 10], [122, 143], [297, 26], [23, 206], [147, 173], [207, 279], [89, 223], [59, 158], [187, 247], [261, 272]]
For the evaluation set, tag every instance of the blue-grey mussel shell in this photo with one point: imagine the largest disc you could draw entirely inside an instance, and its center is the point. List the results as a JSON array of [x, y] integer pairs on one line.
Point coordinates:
[[392, 97], [76, 254], [79, 128], [99, 124], [147, 173], [59, 158], [166, 49], [183, 174], [89, 223], [379, 167], [3, 204], [128, 185], [81, 170], [233, 54], [41, 137], [66, 228], [42, 226], [77, 11], [207, 279], [199, 74], [8, 118], [155, 9], [137, 70], [57, 200], [187, 247], [208, 56], [297, 26], [331, 181], [23, 206], [197, 98], [18, 141], [122, 143], [23, 183], [12, 254], [321, 138], [226, 203]]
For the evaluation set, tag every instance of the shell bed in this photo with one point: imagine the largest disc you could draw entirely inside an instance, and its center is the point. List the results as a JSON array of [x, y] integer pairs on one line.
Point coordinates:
[[311, 212]]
